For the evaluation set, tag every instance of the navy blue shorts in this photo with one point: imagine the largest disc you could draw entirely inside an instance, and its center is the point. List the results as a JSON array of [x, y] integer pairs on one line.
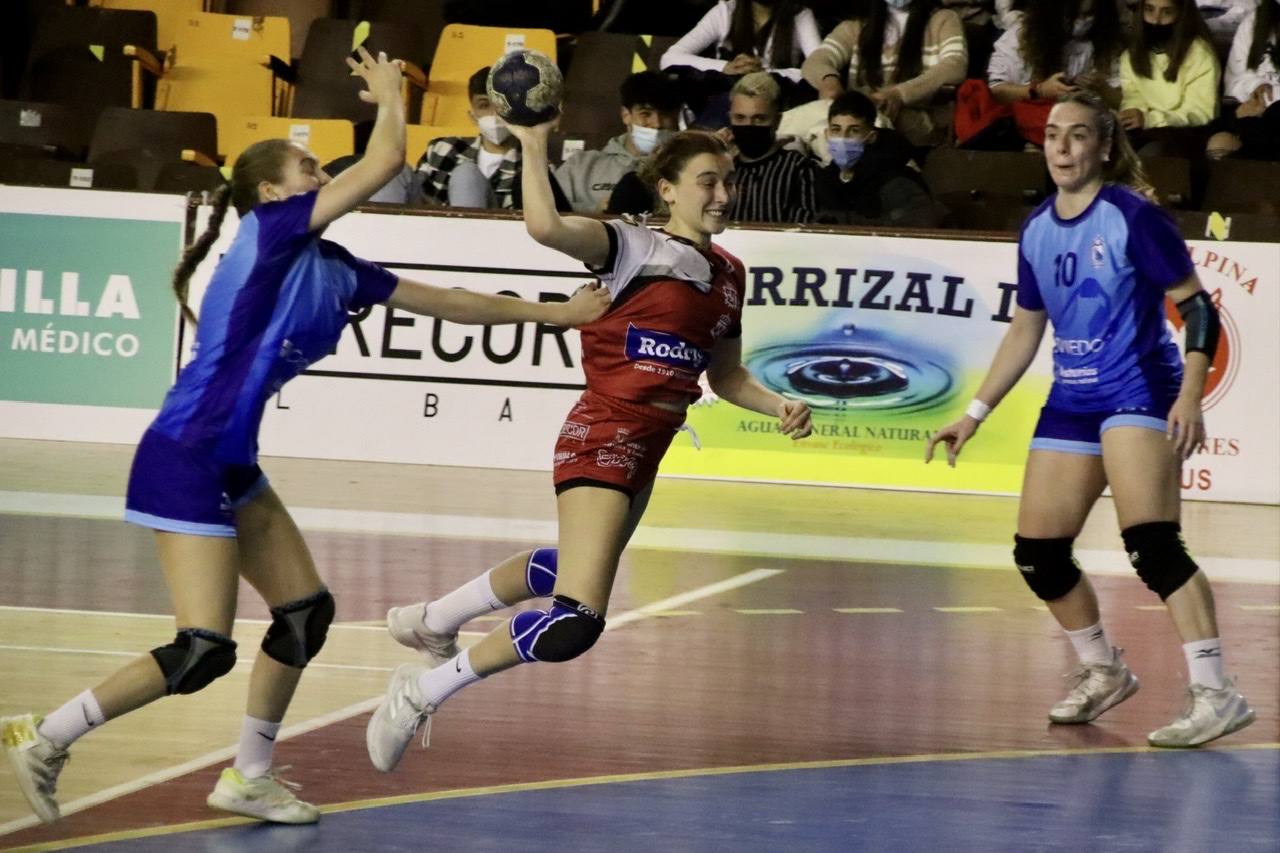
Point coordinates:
[[1081, 432], [181, 489]]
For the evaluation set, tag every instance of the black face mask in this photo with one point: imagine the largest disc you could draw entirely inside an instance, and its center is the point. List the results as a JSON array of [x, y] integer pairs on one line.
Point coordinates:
[[752, 140], [1158, 36]]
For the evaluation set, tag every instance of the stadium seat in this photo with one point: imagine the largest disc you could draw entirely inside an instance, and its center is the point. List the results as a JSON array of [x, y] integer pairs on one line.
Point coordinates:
[[43, 172], [34, 129], [463, 50], [324, 86], [1248, 227], [147, 139], [226, 65], [328, 139], [89, 57], [187, 178], [427, 15], [601, 61], [299, 12], [953, 173], [1243, 186], [169, 15], [1171, 176]]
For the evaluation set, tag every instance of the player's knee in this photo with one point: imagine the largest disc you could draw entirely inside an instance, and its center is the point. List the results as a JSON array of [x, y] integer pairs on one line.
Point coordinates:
[[561, 633], [194, 659], [298, 629], [1047, 565], [540, 571], [1160, 556]]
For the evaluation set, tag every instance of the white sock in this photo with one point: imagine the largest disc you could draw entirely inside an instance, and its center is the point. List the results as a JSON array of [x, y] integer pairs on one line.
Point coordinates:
[[1091, 644], [447, 679], [474, 598], [257, 742], [67, 724], [1204, 662]]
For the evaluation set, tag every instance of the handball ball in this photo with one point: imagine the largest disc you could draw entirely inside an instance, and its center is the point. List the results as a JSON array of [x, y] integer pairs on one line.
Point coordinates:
[[525, 87]]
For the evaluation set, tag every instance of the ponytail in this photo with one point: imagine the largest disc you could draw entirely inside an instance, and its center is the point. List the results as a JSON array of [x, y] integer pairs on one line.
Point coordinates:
[[198, 250]]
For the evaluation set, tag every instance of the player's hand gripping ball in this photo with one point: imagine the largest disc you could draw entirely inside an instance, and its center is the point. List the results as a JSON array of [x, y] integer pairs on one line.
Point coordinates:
[[526, 87]]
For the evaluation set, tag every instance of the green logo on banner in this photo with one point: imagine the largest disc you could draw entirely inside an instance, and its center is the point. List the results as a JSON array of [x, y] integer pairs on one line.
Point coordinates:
[[87, 316]]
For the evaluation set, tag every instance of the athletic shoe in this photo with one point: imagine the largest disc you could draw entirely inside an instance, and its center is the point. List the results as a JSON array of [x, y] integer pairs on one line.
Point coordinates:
[[408, 629], [1209, 714], [37, 761], [265, 797], [1095, 688], [397, 718]]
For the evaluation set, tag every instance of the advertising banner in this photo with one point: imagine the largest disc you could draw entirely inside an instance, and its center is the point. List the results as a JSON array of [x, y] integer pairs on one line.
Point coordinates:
[[87, 315]]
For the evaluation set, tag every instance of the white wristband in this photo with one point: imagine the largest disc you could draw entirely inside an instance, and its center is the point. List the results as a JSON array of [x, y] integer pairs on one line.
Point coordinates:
[[978, 410]]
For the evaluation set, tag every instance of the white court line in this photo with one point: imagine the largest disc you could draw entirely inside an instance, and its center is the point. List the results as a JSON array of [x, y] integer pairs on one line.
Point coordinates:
[[759, 544], [367, 705]]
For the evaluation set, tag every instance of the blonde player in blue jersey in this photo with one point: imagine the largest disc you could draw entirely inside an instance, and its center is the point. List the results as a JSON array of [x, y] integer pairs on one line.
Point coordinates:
[[1097, 260], [277, 302]]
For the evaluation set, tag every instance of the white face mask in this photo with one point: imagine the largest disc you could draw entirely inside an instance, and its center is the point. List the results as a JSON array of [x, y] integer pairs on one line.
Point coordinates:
[[646, 139], [493, 129]]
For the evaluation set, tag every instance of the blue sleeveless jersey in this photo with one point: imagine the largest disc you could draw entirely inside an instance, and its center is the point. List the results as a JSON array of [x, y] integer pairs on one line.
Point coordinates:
[[1102, 278], [277, 303]]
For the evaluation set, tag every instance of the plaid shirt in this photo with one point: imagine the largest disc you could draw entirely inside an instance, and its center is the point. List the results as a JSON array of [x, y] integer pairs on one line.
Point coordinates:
[[447, 152]]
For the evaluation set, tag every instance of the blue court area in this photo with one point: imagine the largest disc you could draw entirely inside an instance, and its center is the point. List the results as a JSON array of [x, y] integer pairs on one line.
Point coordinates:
[[1223, 800]]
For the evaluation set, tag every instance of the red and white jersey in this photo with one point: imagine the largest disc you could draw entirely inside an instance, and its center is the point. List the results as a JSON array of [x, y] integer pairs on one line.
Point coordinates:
[[671, 302]]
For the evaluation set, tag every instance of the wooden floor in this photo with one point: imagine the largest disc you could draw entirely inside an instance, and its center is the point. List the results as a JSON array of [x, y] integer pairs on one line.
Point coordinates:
[[796, 639]]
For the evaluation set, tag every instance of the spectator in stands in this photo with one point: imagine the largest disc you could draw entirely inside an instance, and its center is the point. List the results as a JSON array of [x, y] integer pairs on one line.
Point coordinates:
[[1223, 18], [738, 38], [1253, 79], [650, 111], [868, 181], [775, 184], [1169, 80], [481, 171], [404, 189], [900, 53], [1058, 47]]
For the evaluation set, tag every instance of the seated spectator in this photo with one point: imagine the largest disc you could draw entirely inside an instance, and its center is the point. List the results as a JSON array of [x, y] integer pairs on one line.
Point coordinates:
[[900, 54], [1253, 79], [775, 184], [1051, 48], [868, 181], [1223, 18], [650, 110], [481, 171], [734, 39], [1169, 79], [404, 189]]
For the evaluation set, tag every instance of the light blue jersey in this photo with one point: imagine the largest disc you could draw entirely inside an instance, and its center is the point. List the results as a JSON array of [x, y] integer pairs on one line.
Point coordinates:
[[1101, 277], [276, 304]]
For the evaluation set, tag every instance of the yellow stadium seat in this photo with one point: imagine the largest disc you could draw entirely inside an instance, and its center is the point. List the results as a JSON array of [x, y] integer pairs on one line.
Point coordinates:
[[169, 15], [419, 136], [464, 49], [222, 64], [328, 138]]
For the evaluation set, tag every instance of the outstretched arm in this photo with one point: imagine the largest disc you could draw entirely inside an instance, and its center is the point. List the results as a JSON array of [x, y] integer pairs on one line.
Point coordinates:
[[578, 237], [1016, 352], [730, 380], [465, 306]]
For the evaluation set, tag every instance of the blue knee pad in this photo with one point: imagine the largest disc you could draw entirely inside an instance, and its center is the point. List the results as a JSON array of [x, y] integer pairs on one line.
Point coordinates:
[[556, 635], [540, 572]]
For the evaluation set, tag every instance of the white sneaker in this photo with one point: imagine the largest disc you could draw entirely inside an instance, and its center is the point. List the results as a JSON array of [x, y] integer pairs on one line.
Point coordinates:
[[1209, 714], [407, 628], [265, 797], [1095, 688], [37, 761], [397, 718]]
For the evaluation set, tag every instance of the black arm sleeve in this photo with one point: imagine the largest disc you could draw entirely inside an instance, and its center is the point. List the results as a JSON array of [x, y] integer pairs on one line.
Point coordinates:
[[1203, 324]]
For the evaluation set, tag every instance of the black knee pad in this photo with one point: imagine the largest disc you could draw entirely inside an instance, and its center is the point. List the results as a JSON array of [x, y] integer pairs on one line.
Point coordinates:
[[194, 658], [1047, 565], [556, 635], [1157, 551], [298, 629]]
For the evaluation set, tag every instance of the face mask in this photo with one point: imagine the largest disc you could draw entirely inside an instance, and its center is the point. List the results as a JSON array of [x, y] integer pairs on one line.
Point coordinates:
[[646, 139], [846, 152], [752, 140], [1157, 35], [493, 129], [1081, 27], [899, 4]]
